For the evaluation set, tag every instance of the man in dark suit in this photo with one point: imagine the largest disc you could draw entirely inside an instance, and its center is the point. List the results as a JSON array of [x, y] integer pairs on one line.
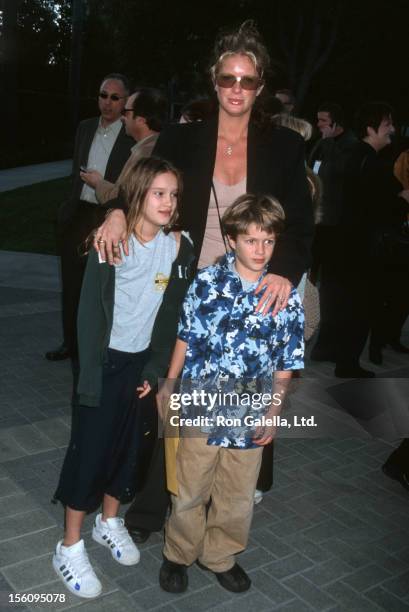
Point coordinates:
[[328, 159], [374, 206], [101, 144]]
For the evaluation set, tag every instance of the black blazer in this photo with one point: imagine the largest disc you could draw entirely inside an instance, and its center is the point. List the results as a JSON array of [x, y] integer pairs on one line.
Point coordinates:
[[275, 166], [116, 161]]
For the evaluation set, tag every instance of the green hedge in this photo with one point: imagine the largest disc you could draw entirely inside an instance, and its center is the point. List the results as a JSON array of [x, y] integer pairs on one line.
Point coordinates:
[[28, 216]]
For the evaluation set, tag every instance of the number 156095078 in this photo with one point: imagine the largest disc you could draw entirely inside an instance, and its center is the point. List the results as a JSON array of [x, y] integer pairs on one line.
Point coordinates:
[[36, 597]]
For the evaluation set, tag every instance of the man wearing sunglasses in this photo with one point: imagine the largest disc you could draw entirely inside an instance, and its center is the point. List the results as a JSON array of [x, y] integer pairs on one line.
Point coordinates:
[[101, 144], [144, 115]]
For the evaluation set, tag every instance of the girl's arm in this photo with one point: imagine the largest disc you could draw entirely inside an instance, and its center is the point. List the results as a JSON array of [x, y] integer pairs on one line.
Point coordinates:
[[178, 359]]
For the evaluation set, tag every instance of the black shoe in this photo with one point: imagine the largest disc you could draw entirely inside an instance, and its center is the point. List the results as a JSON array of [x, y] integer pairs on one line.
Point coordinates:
[[59, 354], [375, 355], [397, 474], [318, 354], [353, 372], [138, 534], [234, 579], [398, 347], [173, 577]]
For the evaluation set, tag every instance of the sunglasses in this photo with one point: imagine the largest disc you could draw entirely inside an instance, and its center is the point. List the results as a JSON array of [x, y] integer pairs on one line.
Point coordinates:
[[114, 97], [246, 82], [126, 110]]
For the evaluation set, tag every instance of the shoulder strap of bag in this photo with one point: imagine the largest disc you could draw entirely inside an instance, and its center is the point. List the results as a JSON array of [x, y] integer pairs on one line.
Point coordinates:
[[218, 214]]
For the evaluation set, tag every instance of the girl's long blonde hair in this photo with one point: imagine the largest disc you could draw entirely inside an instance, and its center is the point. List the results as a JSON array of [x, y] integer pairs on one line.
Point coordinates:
[[135, 184]]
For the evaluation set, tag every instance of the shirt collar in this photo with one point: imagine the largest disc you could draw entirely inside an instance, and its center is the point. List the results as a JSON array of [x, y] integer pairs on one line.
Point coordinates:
[[114, 127], [143, 141], [227, 262]]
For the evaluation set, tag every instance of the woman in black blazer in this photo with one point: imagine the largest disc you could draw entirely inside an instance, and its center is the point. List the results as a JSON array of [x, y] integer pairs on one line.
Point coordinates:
[[274, 165], [229, 147]]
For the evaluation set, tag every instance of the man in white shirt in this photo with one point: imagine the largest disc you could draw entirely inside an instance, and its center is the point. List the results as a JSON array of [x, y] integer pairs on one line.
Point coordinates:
[[100, 144], [143, 116]]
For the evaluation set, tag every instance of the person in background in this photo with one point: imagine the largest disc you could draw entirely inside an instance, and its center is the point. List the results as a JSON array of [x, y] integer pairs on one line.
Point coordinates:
[[144, 116], [100, 144], [197, 110], [399, 245], [287, 99], [374, 205], [396, 466], [328, 159], [304, 128]]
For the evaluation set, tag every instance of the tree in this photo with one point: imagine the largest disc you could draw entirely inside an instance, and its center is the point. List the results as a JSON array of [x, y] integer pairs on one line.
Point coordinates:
[[307, 35], [78, 15], [34, 64], [8, 55]]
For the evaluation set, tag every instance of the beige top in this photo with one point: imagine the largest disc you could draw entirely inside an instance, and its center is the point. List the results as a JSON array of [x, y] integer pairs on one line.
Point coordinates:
[[105, 190], [213, 245]]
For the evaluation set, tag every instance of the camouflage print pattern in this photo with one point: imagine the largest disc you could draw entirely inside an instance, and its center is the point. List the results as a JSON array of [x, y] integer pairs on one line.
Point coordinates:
[[228, 340]]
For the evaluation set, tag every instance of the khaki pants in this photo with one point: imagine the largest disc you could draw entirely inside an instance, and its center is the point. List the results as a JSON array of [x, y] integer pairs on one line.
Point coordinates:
[[226, 476]]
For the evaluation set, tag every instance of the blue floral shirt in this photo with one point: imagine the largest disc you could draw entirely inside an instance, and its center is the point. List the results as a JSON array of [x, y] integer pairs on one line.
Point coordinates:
[[226, 339]]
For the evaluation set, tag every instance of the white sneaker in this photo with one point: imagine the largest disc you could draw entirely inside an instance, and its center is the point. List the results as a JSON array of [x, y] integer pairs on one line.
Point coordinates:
[[113, 534], [258, 496], [73, 567]]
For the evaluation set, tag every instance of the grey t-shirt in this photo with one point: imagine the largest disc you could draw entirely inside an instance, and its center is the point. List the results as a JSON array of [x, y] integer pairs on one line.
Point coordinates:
[[246, 284], [140, 282]]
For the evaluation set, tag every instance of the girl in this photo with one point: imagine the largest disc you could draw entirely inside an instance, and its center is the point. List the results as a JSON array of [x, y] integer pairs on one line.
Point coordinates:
[[126, 329]]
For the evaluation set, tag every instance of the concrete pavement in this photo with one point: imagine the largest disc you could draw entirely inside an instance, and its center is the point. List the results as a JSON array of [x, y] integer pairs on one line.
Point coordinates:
[[331, 535]]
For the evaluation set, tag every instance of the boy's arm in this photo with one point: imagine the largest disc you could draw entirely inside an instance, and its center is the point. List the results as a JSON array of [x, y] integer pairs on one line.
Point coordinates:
[[265, 435], [290, 356], [175, 368]]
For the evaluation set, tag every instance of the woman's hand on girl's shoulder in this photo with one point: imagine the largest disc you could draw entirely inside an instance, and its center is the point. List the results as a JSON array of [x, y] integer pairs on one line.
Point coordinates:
[[110, 235]]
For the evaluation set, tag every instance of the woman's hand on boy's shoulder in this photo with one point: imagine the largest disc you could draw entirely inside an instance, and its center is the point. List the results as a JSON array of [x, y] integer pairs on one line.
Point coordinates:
[[277, 290]]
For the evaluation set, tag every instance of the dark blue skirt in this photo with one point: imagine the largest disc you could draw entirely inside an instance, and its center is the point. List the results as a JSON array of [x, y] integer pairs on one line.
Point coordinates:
[[103, 453]]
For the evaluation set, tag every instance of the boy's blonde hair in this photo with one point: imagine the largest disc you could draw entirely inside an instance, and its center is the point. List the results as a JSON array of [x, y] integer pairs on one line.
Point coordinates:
[[264, 211]]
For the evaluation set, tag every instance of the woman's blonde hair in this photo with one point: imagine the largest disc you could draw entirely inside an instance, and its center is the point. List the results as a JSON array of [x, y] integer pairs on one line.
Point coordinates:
[[136, 182], [246, 40]]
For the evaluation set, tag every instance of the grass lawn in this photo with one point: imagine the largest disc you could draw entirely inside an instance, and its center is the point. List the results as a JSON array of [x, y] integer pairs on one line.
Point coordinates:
[[28, 216]]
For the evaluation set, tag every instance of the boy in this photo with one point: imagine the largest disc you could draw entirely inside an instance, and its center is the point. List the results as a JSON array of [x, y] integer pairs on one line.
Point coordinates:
[[222, 337]]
